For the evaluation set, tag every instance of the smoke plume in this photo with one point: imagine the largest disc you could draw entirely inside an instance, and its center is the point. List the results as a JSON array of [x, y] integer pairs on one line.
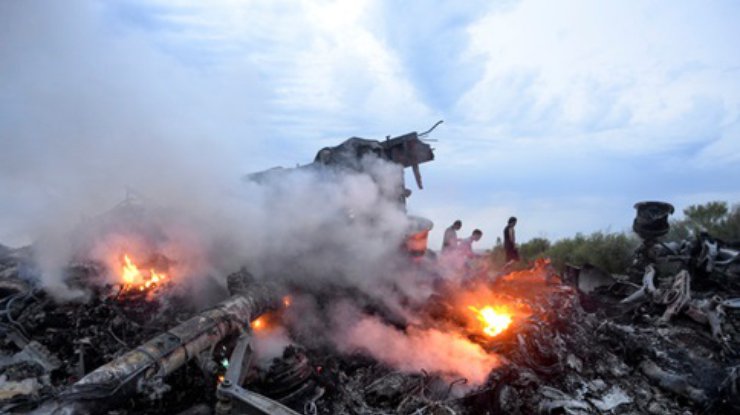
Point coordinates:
[[415, 349], [87, 112]]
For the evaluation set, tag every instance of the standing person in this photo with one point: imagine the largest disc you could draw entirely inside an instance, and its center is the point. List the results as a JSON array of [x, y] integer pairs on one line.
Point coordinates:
[[512, 254], [450, 239], [466, 245]]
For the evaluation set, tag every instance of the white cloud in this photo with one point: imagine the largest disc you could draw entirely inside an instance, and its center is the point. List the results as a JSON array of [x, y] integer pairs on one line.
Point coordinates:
[[725, 149], [328, 71], [588, 67]]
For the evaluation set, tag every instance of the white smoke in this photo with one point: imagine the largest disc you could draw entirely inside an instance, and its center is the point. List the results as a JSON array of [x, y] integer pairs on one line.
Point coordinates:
[[412, 349], [270, 344], [88, 115], [94, 112]]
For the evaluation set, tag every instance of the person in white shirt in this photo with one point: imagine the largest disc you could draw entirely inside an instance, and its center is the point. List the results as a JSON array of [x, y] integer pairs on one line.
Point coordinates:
[[450, 240], [466, 245]]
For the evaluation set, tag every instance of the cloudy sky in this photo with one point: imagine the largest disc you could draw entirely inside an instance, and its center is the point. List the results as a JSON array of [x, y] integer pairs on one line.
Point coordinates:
[[561, 113]]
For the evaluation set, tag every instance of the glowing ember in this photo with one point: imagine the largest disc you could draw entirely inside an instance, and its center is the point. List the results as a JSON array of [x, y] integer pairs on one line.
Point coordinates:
[[287, 301], [133, 278], [258, 323], [495, 320]]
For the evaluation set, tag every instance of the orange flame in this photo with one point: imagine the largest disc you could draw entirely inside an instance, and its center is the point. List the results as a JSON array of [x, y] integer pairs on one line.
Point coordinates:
[[258, 323], [134, 278], [495, 319], [270, 320], [130, 272]]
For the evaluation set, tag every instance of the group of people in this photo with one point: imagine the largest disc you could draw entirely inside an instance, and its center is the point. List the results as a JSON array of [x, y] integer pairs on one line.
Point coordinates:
[[451, 243], [464, 246]]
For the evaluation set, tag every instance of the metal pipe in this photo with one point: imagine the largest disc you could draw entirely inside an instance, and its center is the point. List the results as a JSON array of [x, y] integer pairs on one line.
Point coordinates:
[[142, 369]]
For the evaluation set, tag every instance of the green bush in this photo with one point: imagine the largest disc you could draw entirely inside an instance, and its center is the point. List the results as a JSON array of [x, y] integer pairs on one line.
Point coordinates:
[[534, 248], [714, 217], [497, 255], [610, 251], [613, 251]]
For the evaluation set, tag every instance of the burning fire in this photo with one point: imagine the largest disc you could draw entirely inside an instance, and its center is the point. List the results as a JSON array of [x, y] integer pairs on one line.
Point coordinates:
[[493, 304], [270, 320], [495, 319], [134, 278], [258, 323]]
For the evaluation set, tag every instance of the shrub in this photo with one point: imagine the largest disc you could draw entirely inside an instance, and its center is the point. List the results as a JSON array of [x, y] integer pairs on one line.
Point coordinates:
[[613, 251], [534, 248], [609, 251], [714, 217]]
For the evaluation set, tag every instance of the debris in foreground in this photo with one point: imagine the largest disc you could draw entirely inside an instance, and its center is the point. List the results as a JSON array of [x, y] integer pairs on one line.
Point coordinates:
[[570, 352]]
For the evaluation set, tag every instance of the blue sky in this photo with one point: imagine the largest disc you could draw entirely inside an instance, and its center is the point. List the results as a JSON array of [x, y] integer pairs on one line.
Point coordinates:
[[561, 113]]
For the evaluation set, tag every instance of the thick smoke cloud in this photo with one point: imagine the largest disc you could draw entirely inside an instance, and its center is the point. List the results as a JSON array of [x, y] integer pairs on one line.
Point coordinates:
[[301, 228], [89, 109]]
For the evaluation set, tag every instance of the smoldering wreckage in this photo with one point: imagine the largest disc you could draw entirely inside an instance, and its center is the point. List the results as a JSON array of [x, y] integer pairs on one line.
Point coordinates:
[[660, 339]]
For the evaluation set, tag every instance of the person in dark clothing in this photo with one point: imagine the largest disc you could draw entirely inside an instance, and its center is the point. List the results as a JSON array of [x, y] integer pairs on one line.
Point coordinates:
[[512, 254]]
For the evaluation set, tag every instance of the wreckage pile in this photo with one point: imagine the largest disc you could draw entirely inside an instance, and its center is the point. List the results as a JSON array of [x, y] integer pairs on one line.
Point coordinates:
[[588, 343], [47, 345]]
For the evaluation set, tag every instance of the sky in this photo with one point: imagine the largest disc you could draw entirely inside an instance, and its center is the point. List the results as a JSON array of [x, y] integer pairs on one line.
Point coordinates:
[[563, 114]]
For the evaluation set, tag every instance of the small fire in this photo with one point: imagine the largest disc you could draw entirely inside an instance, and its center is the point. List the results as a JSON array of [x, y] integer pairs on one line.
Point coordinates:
[[258, 323], [270, 320], [130, 272], [491, 304], [134, 278], [495, 319]]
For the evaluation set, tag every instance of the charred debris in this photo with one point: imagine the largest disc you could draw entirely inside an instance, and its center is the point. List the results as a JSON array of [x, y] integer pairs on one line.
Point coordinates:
[[661, 339]]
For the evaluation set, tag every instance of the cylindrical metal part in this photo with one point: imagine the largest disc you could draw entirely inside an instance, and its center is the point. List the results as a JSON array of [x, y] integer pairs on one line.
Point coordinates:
[[169, 351]]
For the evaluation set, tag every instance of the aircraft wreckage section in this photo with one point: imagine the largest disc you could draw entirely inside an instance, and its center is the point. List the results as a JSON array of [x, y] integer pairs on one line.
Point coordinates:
[[617, 348]]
